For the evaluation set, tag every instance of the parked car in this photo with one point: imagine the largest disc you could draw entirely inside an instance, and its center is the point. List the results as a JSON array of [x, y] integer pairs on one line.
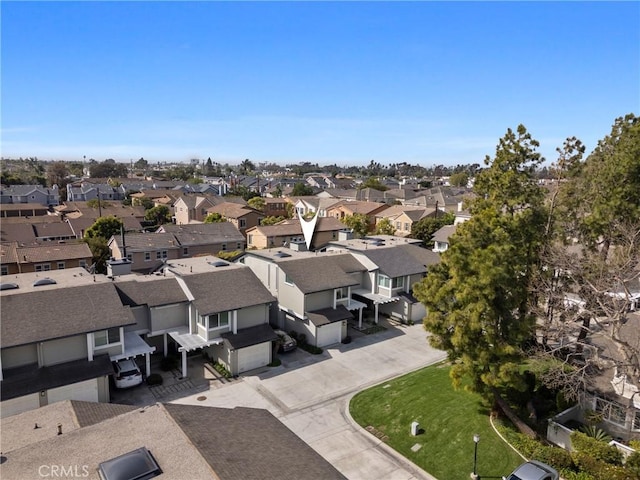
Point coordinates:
[[534, 470], [286, 342], [126, 373]]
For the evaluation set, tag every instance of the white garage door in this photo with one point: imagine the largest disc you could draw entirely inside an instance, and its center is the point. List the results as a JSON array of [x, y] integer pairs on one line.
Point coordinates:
[[255, 356], [86, 391], [329, 334], [20, 404]]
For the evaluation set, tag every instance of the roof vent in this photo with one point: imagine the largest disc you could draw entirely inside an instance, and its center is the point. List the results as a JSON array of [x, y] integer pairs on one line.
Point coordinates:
[[281, 255], [44, 281], [8, 286]]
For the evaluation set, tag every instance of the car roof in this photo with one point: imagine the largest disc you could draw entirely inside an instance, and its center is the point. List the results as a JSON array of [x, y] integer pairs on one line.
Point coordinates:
[[532, 471]]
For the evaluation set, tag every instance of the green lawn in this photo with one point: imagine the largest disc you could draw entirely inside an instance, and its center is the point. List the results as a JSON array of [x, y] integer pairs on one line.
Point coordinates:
[[448, 419]]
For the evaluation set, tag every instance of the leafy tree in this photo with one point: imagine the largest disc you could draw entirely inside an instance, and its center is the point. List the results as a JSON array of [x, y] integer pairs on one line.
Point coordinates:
[[302, 190], [96, 204], [271, 220], [477, 297], [425, 228], [459, 179], [57, 173], [257, 203], [372, 182], [214, 218], [247, 166], [108, 168], [359, 223], [159, 215], [277, 192], [385, 227], [100, 253], [104, 227], [195, 180], [141, 164]]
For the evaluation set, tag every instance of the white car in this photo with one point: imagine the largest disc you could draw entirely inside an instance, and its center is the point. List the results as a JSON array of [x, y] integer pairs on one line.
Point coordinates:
[[126, 373], [533, 470]]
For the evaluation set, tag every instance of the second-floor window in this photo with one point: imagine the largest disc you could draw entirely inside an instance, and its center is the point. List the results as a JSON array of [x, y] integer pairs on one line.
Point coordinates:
[[4, 270], [43, 267], [386, 282], [242, 223], [107, 337], [342, 293], [161, 254], [60, 265], [218, 320], [147, 256], [288, 280], [185, 251]]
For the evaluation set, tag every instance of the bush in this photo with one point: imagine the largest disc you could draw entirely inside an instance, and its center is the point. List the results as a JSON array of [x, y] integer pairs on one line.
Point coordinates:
[[557, 457], [275, 363], [154, 379], [310, 348], [596, 449], [222, 370], [346, 340], [598, 469], [596, 433]]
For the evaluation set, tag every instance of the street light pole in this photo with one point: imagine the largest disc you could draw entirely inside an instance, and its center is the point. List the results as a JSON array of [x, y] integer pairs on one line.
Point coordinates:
[[476, 439]]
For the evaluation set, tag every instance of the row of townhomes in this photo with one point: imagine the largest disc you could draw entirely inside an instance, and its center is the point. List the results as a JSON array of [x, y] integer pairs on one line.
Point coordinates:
[[227, 311]]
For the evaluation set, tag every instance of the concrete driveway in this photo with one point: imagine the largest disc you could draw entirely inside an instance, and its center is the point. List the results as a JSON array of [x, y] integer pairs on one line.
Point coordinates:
[[310, 394]]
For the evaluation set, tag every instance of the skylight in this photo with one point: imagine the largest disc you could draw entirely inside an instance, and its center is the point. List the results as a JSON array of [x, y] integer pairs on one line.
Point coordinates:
[[8, 286], [135, 465], [44, 281]]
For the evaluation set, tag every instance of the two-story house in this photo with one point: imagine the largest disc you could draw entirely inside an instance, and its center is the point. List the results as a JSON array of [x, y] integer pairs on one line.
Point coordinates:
[[59, 335], [227, 315], [346, 208], [394, 265], [289, 231], [240, 216], [314, 291], [196, 239], [441, 238], [30, 194], [403, 217], [43, 258]]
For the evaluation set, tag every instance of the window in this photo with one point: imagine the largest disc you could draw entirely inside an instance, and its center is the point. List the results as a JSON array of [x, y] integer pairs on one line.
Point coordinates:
[[223, 247], [60, 266], [383, 281], [147, 256], [611, 411], [238, 246], [406, 227], [250, 239], [160, 254], [104, 338], [130, 257], [397, 282], [82, 263], [398, 225], [342, 293], [218, 320], [43, 267], [4, 270], [242, 222], [287, 279]]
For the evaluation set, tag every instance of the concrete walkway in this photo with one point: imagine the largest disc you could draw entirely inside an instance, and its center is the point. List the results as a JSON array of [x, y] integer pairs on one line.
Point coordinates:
[[310, 395]]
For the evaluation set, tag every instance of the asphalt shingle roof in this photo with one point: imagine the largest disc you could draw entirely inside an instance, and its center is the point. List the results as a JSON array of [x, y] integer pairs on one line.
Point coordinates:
[[402, 260], [249, 336], [163, 291], [228, 288], [324, 316], [247, 443], [322, 272], [47, 314]]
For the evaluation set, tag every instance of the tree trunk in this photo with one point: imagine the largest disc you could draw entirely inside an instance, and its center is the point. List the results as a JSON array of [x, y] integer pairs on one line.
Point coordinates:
[[511, 415]]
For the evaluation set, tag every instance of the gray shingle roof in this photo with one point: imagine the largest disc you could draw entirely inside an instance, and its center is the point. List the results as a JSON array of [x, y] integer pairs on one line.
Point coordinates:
[[44, 315], [402, 260], [249, 336], [325, 316], [226, 289], [163, 291], [249, 444], [322, 272], [90, 413]]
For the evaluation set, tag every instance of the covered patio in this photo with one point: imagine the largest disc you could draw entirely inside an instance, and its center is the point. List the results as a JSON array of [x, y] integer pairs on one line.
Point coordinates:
[[375, 299], [188, 342]]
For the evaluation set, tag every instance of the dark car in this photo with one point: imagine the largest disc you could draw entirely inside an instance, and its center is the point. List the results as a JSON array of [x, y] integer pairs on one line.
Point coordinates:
[[286, 342]]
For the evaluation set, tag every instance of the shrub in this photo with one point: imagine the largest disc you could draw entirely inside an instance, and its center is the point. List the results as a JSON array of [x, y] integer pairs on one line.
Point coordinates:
[[595, 432], [310, 348], [221, 369], [598, 469], [346, 340], [275, 363], [154, 379], [558, 458], [596, 449], [635, 444]]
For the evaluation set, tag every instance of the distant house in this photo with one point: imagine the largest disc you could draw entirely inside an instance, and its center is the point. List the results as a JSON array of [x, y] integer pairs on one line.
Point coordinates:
[[43, 258], [240, 216], [199, 239], [403, 217], [346, 208], [9, 210], [441, 238], [29, 194], [84, 191], [290, 231]]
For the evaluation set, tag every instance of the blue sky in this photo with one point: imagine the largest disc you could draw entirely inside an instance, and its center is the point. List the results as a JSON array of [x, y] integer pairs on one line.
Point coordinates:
[[328, 82]]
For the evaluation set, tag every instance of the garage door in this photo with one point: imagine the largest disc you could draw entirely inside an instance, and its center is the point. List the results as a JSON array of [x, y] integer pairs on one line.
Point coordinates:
[[20, 404], [255, 356], [86, 391], [329, 334]]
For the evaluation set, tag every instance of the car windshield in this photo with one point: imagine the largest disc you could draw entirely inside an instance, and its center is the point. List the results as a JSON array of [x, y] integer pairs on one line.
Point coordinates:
[[130, 372]]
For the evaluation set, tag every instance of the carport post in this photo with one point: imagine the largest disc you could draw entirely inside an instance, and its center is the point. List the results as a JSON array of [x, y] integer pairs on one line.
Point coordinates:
[[360, 318], [148, 363], [184, 364], [376, 309]]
